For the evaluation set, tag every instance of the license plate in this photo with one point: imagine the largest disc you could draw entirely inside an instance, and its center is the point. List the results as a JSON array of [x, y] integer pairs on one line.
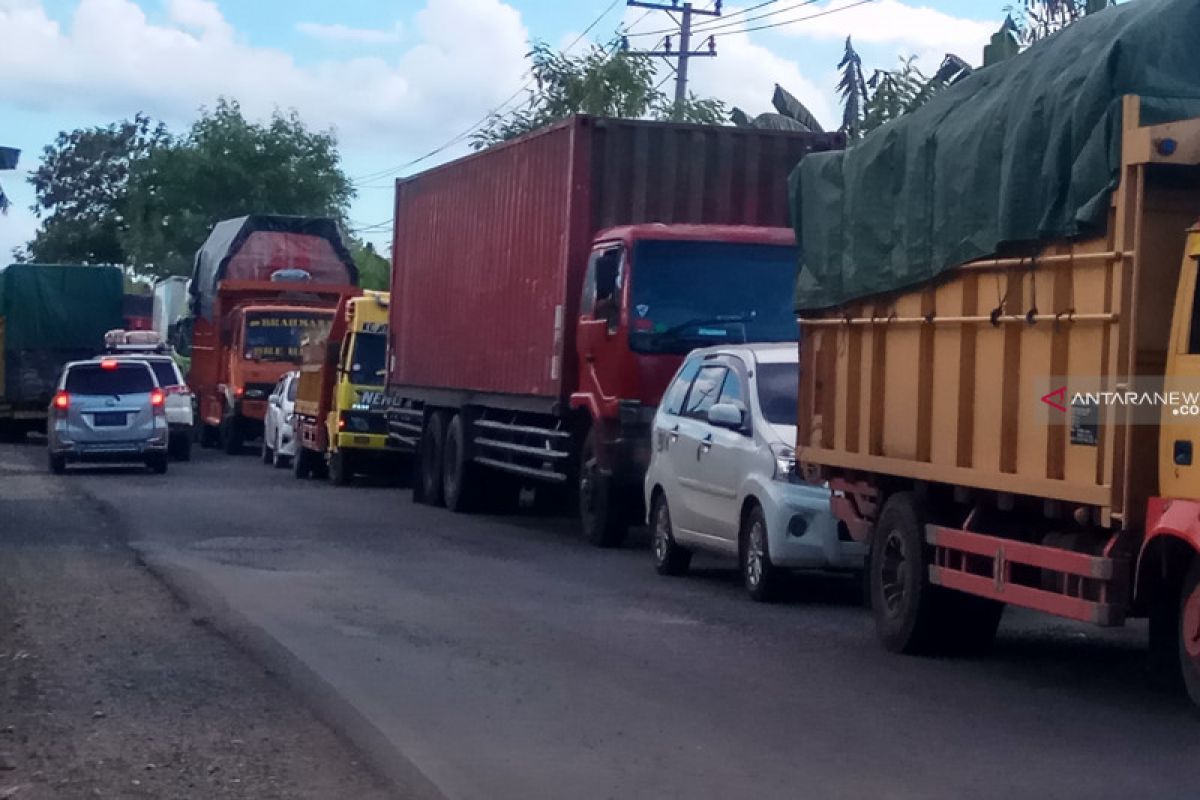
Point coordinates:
[[109, 419]]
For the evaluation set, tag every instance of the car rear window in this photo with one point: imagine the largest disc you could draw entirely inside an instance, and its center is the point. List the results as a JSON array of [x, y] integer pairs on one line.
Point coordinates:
[[123, 379], [165, 372]]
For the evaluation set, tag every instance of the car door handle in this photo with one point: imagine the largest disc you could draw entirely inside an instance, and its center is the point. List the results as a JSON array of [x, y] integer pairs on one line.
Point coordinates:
[[674, 433], [705, 445]]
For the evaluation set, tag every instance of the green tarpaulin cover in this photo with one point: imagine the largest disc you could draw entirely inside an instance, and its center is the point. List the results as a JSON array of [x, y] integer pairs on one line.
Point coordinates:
[[53, 314], [1019, 152]]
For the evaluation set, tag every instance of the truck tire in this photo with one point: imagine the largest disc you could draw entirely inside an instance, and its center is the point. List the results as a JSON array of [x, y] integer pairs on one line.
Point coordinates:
[[460, 480], [302, 462], [760, 576], [209, 436], [903, 601], [181, 447], [341, 471], [669, 557], [428, 486], [601, 514], [1189, 632], [267, 455], [232, 440]]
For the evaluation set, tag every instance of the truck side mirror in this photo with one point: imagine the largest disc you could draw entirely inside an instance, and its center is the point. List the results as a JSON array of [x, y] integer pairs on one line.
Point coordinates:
[[181, 339]]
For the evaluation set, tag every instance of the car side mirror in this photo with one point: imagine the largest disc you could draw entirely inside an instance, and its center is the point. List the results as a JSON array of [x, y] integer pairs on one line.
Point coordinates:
[[727, 415]]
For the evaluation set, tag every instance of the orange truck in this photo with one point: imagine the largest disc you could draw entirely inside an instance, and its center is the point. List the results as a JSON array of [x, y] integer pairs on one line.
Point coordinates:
[[1024, 430], [259, 283]]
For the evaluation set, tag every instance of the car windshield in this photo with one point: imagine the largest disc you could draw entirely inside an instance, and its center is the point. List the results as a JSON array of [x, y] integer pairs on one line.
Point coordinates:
[[695, 294], [132, 378], [366, 366], [778, 390], [275, 336]]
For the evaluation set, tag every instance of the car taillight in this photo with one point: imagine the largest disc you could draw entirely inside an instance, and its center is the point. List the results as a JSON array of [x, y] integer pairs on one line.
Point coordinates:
[[239, 391], [157, 400], [62, 402]]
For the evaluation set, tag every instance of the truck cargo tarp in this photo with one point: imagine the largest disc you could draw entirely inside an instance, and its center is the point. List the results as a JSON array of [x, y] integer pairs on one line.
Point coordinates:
[[312, 244], [53, 314], [1018, 152]]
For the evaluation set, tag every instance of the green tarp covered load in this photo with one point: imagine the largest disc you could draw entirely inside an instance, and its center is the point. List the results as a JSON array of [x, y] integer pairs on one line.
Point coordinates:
[[51, 314], [1023, 151]]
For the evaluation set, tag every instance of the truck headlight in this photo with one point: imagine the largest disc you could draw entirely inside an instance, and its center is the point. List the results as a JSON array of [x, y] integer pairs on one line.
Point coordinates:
[[785, 461]]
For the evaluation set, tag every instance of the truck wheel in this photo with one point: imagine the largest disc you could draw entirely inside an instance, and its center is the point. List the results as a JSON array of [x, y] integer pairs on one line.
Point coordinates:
[[1189, 632], [669, 557], [600, 513], [209, 436], [265, 453], [460, 483], [761, 577], [340, 472], [181, 449], [903, 601], [231, 435], [301, 463], [428, 487]]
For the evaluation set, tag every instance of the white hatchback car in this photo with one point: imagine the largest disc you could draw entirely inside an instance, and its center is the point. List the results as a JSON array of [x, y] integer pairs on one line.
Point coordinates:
[[180, 400], [279, 433], [721, 475]]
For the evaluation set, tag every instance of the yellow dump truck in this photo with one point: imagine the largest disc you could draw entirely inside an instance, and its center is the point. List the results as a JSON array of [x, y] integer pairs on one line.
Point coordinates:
[[1025, 430], [340, 400]]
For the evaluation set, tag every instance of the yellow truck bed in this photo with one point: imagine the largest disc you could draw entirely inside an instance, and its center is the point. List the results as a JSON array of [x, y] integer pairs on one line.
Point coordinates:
[[944, 383]]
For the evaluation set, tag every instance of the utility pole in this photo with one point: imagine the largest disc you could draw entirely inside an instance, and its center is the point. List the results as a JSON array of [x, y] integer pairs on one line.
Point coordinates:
[[685, 51]]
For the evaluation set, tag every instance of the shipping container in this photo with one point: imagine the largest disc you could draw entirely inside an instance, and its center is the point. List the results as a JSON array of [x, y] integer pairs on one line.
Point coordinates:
[[512, 262], [170, 305]]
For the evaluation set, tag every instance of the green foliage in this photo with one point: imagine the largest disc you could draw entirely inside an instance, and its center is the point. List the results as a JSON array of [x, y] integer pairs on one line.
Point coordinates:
[[853, 89], [889, 94], [1040, 18], [790, 115], [604, 81], [80, 188], [374, 271], [227, 166]]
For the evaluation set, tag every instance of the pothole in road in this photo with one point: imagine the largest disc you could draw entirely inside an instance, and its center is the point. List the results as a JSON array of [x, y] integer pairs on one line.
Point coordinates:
[[256, 552]]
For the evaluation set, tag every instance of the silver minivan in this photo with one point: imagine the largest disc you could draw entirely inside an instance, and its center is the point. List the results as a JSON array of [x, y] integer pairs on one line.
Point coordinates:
[[108, 410]]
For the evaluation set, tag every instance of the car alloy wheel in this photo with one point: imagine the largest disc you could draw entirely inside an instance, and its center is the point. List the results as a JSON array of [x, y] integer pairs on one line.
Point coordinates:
[[755, 554]]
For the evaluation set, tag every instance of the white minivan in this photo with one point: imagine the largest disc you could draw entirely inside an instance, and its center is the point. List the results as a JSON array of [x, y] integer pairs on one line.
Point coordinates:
[[721, 476]]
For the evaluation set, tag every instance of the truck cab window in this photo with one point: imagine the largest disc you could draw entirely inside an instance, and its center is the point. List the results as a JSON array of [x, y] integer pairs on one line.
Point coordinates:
[[602, 290], [1194, 332]]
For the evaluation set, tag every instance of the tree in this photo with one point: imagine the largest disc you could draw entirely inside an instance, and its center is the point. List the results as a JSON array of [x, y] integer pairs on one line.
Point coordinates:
[[604, 81], [80, 188], [853, 89], [374, 271], [1040, 18], [227, 166], [790, 115]]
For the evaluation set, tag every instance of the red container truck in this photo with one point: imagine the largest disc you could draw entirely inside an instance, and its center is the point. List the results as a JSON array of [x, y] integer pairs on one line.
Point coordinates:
[[258, 284], [545, 290]]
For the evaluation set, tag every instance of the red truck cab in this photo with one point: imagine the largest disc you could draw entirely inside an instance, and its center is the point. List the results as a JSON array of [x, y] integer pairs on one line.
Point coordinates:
[[259, 284]]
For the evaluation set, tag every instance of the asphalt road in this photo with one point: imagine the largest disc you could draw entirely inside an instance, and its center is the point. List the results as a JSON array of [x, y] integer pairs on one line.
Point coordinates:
[[505, 658]]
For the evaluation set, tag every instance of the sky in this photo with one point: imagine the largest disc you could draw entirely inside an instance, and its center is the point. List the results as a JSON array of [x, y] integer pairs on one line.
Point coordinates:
[[398, 79]]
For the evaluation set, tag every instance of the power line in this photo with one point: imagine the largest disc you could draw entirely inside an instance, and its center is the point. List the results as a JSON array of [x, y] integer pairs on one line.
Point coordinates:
[[732, 21], [824, 13], [495, 110]]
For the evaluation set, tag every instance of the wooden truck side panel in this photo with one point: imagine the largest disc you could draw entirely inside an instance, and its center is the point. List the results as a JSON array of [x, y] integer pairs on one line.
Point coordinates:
[[945, 382]]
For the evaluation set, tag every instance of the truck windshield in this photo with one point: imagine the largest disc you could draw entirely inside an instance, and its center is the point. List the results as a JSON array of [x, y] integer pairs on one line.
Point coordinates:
[[367, 361], [695, 294], [276, 335]]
